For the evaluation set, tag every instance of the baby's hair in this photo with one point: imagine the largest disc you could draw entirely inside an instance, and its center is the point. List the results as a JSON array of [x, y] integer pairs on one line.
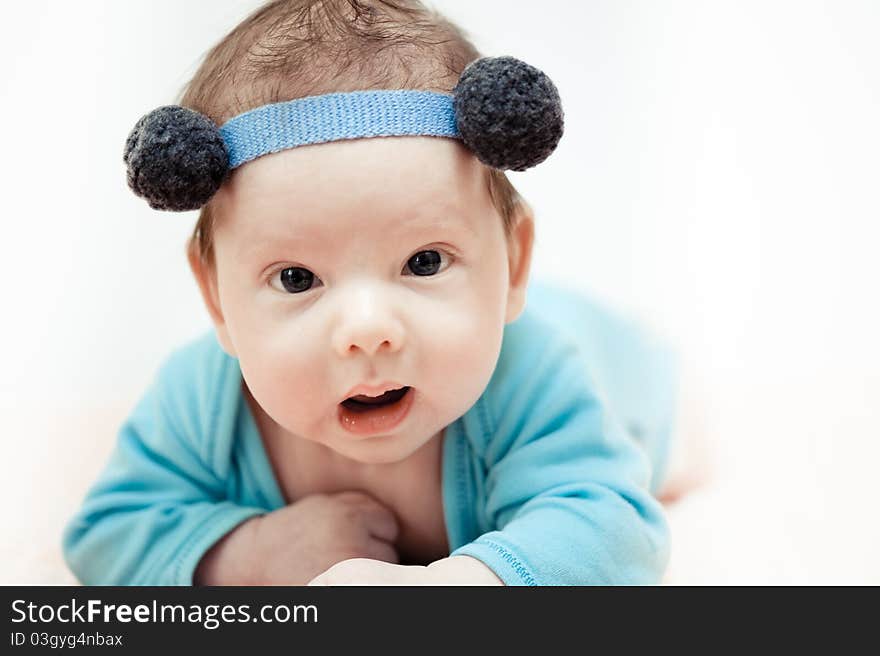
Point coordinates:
[[291, 49]]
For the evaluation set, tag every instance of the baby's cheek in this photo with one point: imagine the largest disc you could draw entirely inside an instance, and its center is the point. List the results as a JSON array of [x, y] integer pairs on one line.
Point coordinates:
[[287, 387], [466, 348]]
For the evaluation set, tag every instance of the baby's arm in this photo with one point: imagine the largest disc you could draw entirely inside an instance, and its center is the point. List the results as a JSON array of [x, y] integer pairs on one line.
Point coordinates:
[[157, 506], [566, 496]]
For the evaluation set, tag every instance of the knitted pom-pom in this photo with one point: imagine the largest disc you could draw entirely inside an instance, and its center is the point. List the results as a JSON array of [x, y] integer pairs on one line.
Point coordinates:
[[176, 159], [508, 113]]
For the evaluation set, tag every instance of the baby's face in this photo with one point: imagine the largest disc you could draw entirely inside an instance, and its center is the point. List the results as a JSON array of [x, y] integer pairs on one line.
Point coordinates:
[[375, 264]]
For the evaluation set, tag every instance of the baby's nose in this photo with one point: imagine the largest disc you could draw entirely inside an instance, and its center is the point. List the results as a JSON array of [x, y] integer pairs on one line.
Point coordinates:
[[369, 325]]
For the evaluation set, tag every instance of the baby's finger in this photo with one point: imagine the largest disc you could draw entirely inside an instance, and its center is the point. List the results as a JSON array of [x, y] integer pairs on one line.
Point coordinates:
[[379, 520], [382, 524], [355, 496], [384, 551]]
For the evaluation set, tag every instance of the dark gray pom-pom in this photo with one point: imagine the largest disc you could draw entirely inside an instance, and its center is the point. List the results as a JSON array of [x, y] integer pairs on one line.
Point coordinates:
[[508, 113], [176, 159]]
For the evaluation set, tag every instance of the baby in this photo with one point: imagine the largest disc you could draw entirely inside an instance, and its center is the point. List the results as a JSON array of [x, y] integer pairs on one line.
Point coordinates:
[[376, 404]]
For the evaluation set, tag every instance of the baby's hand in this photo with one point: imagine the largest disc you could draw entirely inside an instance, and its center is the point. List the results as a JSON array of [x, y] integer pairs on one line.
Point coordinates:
[[302, 540], [363, 571], [455, 570], [294, 544]]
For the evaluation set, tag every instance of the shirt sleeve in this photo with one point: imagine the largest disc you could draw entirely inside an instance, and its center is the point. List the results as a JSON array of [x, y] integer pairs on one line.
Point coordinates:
[[566, 489], [157, 507]]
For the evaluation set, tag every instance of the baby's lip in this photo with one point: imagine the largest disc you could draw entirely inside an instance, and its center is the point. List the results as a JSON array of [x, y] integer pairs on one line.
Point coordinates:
[[372, 389]]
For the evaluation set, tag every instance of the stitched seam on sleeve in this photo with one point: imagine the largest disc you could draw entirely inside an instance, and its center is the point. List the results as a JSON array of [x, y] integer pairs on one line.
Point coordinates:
[[149, 576], [512, 560], [194, 538]]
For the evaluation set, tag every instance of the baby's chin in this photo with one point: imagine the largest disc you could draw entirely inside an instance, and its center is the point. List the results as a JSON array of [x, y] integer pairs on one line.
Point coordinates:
[[383, 449]]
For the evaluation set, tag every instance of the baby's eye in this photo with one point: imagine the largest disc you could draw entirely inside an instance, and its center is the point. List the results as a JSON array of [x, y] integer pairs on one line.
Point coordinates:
[[427, 263], [296, 280]]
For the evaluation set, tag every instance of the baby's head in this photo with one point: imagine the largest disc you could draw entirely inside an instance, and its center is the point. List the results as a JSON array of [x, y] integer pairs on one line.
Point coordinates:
[[352, 268]]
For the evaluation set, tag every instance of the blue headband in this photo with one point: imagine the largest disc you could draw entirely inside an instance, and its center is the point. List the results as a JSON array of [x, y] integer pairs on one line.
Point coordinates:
[[507, 112], [337, 116]]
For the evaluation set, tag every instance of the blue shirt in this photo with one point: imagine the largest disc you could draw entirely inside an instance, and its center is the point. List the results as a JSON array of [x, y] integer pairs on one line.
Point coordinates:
[[546, 479]]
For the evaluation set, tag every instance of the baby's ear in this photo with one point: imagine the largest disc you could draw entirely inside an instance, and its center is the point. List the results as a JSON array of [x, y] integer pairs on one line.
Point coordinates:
[[519, 255], [206, 277]]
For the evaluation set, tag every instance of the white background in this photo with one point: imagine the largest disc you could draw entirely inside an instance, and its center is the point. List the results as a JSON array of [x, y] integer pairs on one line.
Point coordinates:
[[718, 178]]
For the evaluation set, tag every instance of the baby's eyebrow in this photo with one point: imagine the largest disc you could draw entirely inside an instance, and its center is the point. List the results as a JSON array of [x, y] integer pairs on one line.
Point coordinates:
[[419, 223], [256, 246], [439, 220]]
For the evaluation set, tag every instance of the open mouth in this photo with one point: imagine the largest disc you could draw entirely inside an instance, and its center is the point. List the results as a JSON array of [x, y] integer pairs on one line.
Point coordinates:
[[367, 415], [364, 403]]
